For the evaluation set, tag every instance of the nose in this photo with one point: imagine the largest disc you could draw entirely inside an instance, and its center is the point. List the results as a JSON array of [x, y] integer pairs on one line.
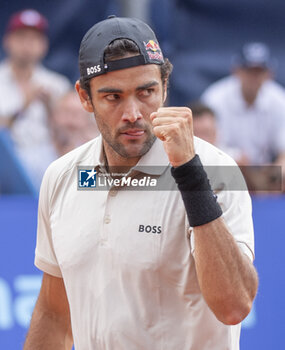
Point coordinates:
[[131, 111]]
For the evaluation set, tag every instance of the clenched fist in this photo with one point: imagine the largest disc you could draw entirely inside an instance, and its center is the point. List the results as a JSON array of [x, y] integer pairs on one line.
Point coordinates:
[[174, 126]]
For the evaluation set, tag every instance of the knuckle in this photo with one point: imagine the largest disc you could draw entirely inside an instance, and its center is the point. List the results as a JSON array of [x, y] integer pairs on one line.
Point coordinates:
[[187, 112], [176, 127], [183, 121], [154, 122]]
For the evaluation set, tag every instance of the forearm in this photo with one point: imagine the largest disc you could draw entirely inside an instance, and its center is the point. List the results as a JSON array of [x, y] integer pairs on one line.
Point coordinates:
[[227, 278], [10, 112], [47, 332]]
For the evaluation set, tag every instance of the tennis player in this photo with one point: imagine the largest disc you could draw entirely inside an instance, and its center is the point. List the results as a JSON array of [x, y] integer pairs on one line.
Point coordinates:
[[136, 269]]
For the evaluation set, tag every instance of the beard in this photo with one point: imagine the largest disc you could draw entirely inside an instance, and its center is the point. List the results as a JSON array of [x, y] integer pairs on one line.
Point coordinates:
[[134, 148]]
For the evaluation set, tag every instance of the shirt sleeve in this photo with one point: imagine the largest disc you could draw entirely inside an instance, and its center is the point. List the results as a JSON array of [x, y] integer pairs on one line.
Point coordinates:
[[235, 202], [237, 213], [45, 257], [236, 206], [279, 137]]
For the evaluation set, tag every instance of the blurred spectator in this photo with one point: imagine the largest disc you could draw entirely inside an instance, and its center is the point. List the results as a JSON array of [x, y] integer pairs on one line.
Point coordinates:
[[250, 107], [205, 127], [258, 178], [28, 90], [70, 124], [204, 122]]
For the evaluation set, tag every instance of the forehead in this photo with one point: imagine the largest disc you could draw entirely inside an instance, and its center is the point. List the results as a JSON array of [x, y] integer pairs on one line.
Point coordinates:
[[128, 79], [69, 100], [205, 119], [26, 31], [254, 70]]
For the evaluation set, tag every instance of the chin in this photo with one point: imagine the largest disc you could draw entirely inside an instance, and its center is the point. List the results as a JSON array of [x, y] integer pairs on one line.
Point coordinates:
[[135, 151]]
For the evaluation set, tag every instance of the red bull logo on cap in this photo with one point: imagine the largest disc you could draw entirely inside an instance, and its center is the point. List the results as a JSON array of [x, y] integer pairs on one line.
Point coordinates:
[[152, 45], [153, 50]]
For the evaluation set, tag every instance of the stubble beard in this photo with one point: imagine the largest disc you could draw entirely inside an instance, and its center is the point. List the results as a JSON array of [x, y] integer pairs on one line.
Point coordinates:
[[137, 150]]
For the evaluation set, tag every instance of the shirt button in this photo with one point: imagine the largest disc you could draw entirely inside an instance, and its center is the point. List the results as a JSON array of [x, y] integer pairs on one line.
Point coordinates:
[[107, 219]]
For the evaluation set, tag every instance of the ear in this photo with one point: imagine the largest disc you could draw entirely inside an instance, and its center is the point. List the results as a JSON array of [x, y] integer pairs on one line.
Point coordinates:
[[84, 98]]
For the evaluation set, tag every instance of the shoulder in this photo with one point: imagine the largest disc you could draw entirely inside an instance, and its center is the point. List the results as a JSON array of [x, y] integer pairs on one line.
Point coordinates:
[[222, 170], [210, 154], [51, 77], [272, 101], [274, 90], [66, 165], [220, 88]]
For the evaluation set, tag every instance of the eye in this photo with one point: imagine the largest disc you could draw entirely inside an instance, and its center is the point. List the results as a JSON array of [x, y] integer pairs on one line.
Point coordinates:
[[112, 97], [146, 92]]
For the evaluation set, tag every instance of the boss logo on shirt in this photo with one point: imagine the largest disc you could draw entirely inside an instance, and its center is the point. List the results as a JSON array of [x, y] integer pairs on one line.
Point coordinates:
[[150, 229]]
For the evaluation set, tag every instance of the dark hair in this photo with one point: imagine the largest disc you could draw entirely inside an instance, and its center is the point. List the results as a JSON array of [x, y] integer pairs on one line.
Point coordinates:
[[199, 109], [120, 48]]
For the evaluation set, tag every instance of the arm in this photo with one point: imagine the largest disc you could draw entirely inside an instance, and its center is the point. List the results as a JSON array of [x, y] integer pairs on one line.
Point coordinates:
[[227, 278], [10, 112], [50, 326]]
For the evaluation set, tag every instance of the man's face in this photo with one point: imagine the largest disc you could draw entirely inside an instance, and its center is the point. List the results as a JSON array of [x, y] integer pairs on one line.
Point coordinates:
[[25, 46], [71, 125], [68, 114], [252, 79], [123, 101]]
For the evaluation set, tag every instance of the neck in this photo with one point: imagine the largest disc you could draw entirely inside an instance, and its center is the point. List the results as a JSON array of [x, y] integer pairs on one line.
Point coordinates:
[[249, 99], [21, 72], [115, 163]]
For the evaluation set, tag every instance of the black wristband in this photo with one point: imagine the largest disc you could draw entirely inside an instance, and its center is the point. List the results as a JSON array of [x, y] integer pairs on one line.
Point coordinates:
[[199, 200]]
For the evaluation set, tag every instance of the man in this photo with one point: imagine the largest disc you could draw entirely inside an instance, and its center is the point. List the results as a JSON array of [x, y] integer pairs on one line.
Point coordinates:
[[257, 178], [204, 122], [250, 107], [70, 124], [205, 127], [127, 269], [28, 91]]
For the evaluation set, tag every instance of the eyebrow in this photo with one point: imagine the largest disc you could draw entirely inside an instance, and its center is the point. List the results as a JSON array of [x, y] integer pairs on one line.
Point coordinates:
[[111, 90], [147, 85]]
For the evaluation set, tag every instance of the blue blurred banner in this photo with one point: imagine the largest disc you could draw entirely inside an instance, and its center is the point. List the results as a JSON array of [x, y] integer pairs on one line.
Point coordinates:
[[267, 331], [20, 280]]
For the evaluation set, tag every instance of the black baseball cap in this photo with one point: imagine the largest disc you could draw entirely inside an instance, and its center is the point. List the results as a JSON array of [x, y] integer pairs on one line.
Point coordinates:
[[254, 54], [98, 37]]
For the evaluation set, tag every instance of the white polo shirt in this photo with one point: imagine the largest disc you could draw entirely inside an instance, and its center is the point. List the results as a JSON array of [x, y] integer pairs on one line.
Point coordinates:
[[129, 288], [258, 131]]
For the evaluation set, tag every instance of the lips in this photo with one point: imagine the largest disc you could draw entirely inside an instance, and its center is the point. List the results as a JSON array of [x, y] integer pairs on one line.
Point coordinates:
[[133, 132]]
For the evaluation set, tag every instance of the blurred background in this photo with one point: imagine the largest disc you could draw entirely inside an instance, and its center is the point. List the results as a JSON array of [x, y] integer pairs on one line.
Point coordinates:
[[41, 119]]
